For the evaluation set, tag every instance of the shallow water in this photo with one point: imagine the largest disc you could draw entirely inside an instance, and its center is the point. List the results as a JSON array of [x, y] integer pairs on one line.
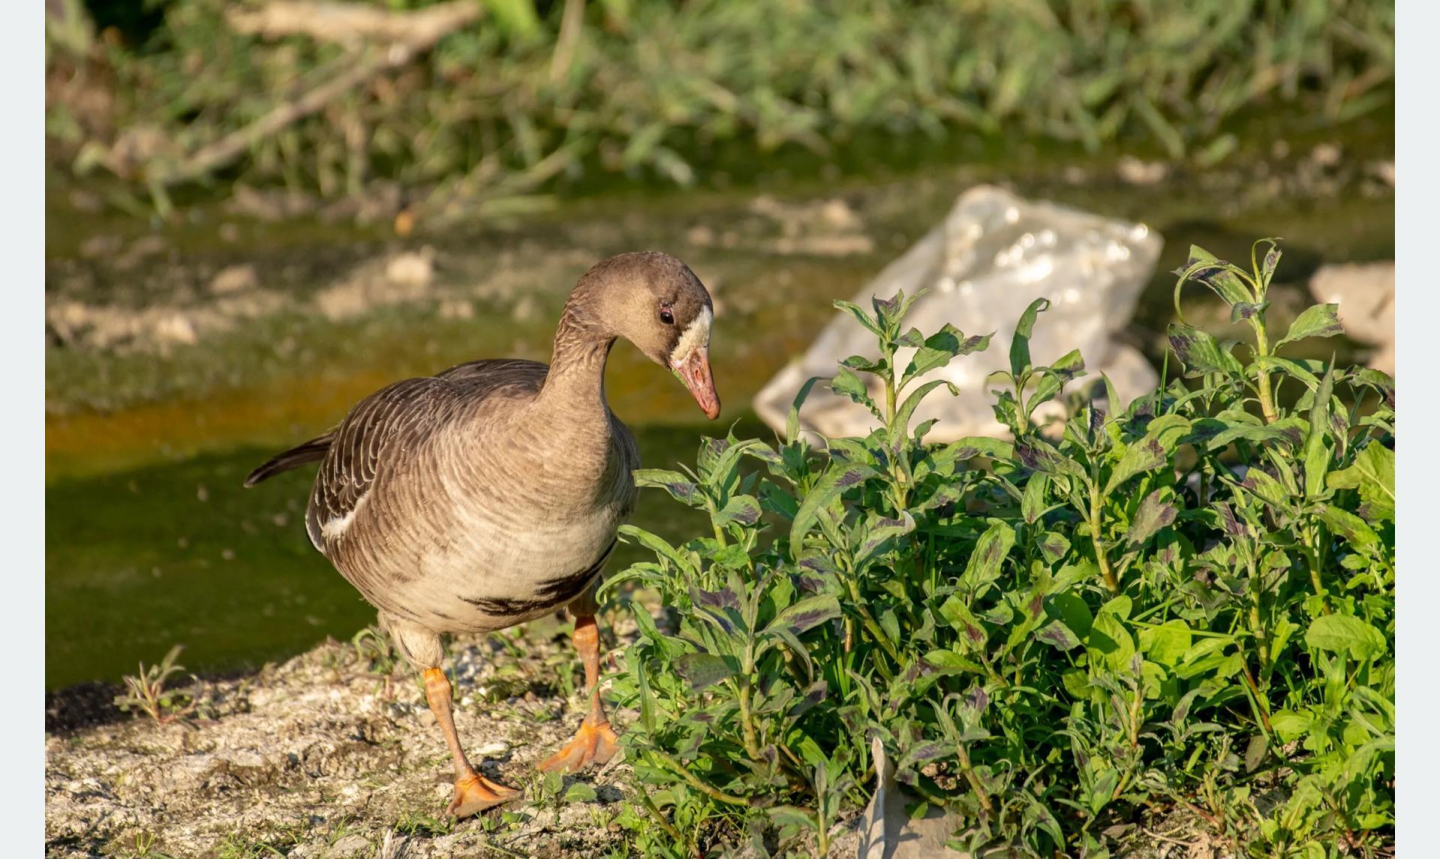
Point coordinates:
[[152, 541]]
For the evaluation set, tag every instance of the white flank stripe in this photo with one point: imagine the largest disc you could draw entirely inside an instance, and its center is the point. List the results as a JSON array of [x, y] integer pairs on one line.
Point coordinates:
[[335, 527]]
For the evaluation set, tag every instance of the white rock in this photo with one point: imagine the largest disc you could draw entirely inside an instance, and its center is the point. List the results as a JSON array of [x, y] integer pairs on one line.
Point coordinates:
[[992, 256], [1366, 295]]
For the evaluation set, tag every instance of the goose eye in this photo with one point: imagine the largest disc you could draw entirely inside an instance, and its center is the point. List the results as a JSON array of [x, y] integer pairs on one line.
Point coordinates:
[[666, 316]]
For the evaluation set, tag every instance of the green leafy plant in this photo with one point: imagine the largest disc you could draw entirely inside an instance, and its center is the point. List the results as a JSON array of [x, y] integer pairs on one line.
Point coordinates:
[[1183, 601], [146, 693]]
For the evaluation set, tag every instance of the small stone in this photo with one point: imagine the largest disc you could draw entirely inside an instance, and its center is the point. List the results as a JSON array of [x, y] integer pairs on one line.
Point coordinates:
[[1136, 172], [351, 845], [1326, 154], [410, 269], [235, 278], [98, 246], [700, 236]]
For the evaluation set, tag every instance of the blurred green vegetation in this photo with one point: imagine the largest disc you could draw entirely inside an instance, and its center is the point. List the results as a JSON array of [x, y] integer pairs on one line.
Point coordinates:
[[535, 94]]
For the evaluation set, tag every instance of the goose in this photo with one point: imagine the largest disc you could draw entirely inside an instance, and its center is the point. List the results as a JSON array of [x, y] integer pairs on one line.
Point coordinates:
[[490, 494]]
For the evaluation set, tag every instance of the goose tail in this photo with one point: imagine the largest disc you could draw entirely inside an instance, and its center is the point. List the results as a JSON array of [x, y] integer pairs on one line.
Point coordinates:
[[313, 450]]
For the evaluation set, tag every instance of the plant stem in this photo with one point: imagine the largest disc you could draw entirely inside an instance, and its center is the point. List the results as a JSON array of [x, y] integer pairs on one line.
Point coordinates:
[[690, 778], [1262, 648], [974, 779], [719, 532], [747, 724], [660, 818], [1312, 559], [868, 621], [1104, 562], [1262, 376]]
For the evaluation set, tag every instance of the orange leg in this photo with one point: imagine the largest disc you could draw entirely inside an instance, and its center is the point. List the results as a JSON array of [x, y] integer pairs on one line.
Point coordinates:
[[473, 792], [595, 742]]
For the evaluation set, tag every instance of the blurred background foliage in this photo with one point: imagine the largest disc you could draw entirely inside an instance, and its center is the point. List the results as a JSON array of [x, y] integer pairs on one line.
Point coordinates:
[[528, 93]]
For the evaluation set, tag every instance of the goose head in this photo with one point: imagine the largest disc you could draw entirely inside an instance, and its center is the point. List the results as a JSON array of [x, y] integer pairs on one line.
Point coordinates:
[[657, 303]]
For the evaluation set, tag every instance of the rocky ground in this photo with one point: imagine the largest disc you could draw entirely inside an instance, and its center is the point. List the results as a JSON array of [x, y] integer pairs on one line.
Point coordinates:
[[330, 754]]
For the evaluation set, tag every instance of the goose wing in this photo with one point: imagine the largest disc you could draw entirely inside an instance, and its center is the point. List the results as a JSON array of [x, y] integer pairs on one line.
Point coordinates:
[[389, 423]]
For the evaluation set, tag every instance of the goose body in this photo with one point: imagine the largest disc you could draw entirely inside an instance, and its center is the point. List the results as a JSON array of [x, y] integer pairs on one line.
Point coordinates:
[[468, 501], [491, 493]]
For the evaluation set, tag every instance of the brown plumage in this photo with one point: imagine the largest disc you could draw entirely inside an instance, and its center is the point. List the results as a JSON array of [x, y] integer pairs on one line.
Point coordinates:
[[490, 494]]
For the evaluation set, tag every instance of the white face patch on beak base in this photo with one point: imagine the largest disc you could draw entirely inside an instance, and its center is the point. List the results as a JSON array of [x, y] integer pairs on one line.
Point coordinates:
[[696, 336], [691, 362]]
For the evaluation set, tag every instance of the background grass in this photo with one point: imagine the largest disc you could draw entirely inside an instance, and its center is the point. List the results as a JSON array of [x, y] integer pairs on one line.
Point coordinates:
[[660, 91]]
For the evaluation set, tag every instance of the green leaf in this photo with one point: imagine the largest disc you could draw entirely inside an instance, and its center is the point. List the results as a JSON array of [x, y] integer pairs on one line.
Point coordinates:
[[789, 815], [1059, 636], [1317, 455], [580, 792], [1321, 320], [1032, 503], [861, 364], [1072, 610], [680, 487], [968, 448], [840, 477], [1373, 474], [1245, 310], [1068, 367], [1359, 535], [1341, 633], [1117, 607], [1144, 455], [990, 552], [741, 510], [943, 346], [878, 532], [902, 415], [656, 544], [792, 421], [1204, 268], [1167, 643], [951, 662], [1053, 546], [1038, 455], [806, 614], [1020, 345], [861, 316], [1200, 354], [847, 384], [1152, 515], [958, 615], [1290, 725], [1110, 642], [702, 669]]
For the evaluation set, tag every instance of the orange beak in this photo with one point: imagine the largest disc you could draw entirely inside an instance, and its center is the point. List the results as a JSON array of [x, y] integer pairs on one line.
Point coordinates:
[[694, 371]]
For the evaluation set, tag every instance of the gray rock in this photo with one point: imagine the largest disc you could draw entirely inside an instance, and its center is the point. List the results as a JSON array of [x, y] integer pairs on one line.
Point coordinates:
[[992, 256]]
